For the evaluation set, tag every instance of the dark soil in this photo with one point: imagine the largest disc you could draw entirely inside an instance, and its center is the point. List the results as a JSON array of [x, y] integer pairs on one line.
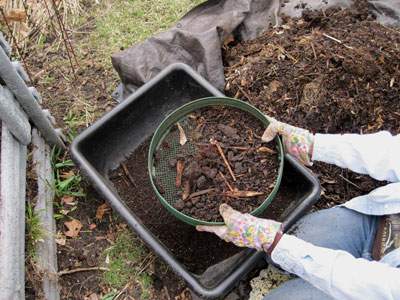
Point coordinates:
[[195, 250], [204, 179], [300, 75]]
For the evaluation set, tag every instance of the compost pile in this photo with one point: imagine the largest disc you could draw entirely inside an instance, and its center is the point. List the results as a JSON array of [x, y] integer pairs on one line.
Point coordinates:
[[220, 158], [336, 71]]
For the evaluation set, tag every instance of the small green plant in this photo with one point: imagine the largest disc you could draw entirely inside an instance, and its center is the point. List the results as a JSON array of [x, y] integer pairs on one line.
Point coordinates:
[[66, 181], [34, 230], [123, 260], [72, 121]]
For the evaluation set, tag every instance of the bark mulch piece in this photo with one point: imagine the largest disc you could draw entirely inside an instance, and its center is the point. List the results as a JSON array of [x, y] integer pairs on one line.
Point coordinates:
[[336, 71]]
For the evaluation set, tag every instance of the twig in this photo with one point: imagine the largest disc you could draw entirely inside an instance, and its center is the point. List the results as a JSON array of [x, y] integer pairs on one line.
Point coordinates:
[[244, 93], [214, 142], [64, 38], [226, 181], [128, 174], [243, 194], [348, 181], [65, 31], [313, 49], [199, 193], [336, 40], [167, 293], [66, 272]]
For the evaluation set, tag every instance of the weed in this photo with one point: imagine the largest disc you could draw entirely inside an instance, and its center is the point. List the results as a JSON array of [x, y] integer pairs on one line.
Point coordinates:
[[34, 230], [66, 181], [124, 263]]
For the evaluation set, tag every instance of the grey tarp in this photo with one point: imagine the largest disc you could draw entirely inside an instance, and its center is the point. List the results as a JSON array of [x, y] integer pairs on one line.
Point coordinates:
[[197, 38]]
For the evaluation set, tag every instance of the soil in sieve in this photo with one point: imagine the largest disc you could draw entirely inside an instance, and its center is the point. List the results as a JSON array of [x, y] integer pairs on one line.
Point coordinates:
[[219, 158]]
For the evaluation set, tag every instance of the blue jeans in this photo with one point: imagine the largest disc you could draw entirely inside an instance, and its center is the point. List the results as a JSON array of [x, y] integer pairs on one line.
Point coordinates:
[[336, 228]]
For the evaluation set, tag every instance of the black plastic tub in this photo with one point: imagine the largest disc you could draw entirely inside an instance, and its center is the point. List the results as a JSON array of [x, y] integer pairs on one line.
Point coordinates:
[[104, 145]]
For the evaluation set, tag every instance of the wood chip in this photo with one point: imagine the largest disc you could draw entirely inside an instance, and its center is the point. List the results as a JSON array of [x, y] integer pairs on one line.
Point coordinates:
[[264, 149], [243, 194], [186, 190], [182, 135], [180, 165]]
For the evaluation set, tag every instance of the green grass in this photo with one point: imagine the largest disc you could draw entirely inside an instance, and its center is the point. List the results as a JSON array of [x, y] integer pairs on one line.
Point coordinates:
[[34, 230], [123, 23], [125, 259]]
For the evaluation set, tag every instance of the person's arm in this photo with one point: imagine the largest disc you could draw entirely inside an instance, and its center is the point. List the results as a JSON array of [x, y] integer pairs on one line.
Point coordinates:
[[336, 272], [377, 155], [374, 154]]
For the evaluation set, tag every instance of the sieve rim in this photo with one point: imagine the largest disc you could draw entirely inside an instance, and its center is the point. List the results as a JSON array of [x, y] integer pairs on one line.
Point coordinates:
[[175, 116]]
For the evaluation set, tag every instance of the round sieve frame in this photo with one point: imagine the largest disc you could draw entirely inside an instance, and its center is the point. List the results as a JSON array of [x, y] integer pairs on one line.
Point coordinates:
[[176, 116]]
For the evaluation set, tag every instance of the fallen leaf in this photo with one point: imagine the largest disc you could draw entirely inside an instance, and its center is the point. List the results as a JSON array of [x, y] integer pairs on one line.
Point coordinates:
[[16, 15], [60, 239], [182, 135], [74, 227], [101, 210], [68, 200], [92, 226]]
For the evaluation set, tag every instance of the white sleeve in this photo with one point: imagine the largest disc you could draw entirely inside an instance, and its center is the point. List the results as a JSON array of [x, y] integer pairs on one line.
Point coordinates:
[[374, 154], [336, 272]]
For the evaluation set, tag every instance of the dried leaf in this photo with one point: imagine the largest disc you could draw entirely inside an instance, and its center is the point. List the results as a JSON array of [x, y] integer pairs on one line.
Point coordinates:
[[243, 194], [180, 165], [16, 15], [60, 239], [68, 200], [101, 210], [182, 135], [92, 226], [74, 227]]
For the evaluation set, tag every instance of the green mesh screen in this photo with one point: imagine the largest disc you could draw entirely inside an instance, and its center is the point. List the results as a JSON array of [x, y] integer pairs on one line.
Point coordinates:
[[164, 175]]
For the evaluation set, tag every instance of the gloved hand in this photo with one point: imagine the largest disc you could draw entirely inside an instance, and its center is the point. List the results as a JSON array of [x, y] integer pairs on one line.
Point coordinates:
[[296, 141], [245, 230]]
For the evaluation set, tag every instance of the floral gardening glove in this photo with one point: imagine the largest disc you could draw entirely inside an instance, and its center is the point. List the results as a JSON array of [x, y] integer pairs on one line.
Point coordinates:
[[244, 230], [297, 141]]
